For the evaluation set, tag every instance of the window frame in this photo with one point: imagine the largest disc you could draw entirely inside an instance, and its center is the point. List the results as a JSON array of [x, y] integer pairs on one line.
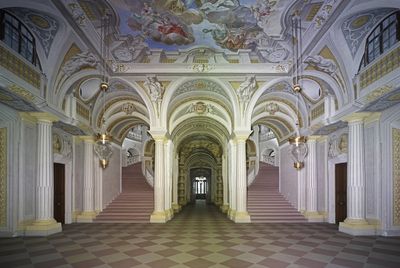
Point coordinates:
[[24, 39], [365, 61]]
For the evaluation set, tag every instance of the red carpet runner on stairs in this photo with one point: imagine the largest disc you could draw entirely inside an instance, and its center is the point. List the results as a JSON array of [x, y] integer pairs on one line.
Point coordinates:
[[265, 203], [135, 203]]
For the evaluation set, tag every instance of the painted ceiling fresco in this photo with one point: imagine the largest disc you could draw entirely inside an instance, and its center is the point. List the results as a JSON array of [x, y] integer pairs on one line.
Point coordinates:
[[181, 24]]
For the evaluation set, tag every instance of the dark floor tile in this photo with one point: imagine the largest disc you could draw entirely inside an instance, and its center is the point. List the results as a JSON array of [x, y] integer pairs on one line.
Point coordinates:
[[347, 263]]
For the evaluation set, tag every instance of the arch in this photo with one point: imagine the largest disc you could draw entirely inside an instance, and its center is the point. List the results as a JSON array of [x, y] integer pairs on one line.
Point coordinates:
[[173, 87]]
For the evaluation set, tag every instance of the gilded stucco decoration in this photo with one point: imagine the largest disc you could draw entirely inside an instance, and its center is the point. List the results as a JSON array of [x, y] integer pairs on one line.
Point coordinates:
[[396, 176], [385, 101], [380, 68], [42, 25], [200, 108], [15, 101], [3, 176], [200, 85], [17, 66], [379, 92], [22, 92]]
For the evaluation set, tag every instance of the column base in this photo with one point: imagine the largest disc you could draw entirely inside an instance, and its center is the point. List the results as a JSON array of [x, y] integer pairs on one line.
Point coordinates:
[[86, 216], [169, 213], [242, 217], [43, 228], [313, 216], [231, 214], [357, 227], [224, 208], [176, 208], [158, 217]]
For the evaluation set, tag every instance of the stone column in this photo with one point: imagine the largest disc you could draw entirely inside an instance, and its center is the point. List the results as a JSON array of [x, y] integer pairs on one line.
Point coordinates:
[[168, 178], [44, 223], [175, 173], [232, 179], [311, 212], [98, 185], [241, 215], [219, 185], [159, 215], [225, 205], [302, 190], [88, 213], [356, 223], [181, 184]]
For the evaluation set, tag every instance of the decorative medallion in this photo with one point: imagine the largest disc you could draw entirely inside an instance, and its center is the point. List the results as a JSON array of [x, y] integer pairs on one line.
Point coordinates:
[[272, 108], [128, 108]]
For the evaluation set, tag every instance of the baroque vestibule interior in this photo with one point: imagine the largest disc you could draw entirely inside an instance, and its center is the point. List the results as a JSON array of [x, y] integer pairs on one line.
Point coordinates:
[[117, 111]]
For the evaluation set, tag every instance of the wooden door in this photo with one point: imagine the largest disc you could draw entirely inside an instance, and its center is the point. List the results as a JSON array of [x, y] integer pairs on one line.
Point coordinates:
[[59, 192], [341, 192]]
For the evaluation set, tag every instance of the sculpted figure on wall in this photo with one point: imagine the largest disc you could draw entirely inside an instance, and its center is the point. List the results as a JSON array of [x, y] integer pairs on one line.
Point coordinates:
[[322, 64], [247, 88], [156, 89], [79, 61]]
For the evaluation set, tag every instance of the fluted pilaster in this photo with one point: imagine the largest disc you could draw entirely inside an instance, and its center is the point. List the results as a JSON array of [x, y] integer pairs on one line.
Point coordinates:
[[232, 179], [159, 215], [241, 215], [311, 212], [355, 223], [88, 213], [44, 223]]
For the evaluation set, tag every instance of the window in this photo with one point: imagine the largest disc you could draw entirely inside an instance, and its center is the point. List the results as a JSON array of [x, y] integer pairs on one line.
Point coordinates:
[[382, 38], [15, 35]]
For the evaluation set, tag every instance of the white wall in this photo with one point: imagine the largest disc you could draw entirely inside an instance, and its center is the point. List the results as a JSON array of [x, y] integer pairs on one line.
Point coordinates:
[[112, 177], [288, 176]]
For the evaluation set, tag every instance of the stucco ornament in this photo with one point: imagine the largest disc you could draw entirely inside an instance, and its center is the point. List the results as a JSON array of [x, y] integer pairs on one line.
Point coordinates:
[[272, 108], [200, 108], [247, 88], [79, 61], [77, 13], [128, 108]]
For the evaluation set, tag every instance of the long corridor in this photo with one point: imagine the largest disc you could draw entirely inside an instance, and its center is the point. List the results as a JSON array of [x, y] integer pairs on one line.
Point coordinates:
[[200, 236]]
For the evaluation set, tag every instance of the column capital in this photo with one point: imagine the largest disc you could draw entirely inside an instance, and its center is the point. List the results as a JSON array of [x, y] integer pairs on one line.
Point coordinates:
[[356, 117], [44, 117]]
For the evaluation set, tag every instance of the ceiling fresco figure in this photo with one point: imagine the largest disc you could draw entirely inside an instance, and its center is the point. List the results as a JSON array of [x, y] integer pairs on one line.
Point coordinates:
[[181, 24]]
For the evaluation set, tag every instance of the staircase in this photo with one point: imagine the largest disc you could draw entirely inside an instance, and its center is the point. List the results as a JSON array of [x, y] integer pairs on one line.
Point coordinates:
[[265, 203], [134, 204]]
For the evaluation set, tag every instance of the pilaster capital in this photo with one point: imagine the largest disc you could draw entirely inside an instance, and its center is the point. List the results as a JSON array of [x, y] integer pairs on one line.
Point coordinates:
[[87, 139], [25, 116], [42, 117], [356, 117], [376, 116], [158, 134], [241, 135], [313, 138]]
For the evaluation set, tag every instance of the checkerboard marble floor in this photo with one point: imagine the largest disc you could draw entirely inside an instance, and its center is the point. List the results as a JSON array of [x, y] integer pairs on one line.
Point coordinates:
[[200, 236]]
